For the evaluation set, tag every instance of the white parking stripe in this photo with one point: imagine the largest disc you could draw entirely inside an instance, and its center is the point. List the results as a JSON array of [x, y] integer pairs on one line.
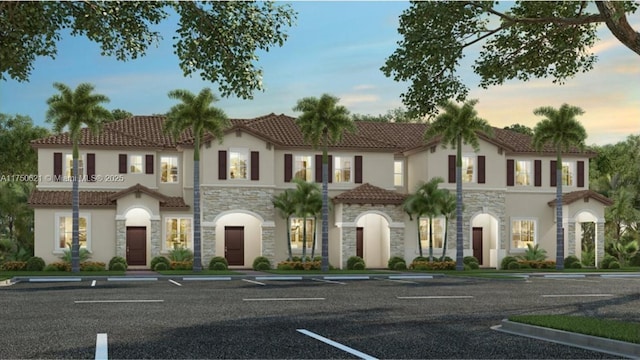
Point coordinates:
[[401, 281], [93, 283], [576, 295], [115, 301], [102, 348], [282, 299], [175, 282], [329, 281], [254, 282], [436, 297], [345, 348]]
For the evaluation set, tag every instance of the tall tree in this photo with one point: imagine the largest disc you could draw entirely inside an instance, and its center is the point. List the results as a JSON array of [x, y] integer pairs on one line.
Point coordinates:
[[71, 109], [285, 203], [196, 112], [426, 200], [458, 125], [16, 133], [522, 129], [323, 121], [219, 40], [448, 208], [560, 129], [119, 114], [523, 40], [307, 201]]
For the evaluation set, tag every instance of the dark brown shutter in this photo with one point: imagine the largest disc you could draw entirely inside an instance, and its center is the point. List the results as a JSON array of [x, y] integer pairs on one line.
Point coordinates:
[[91, 167], [552, 175], [330, 168], [288, 167], [481, 169], [122, 163], [580, 173], [358, 170], [255, 165], [510, 172], [318, 168], [222, 165], [452, 169], [148, 164], [537, 172], [57, 166]]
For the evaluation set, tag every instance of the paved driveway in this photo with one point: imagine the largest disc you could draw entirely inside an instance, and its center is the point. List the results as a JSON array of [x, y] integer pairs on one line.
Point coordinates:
[[430, 318]]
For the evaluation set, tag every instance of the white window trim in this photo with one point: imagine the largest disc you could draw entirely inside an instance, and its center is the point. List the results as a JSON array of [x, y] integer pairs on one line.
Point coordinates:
[[535, 232], [335, 168], [56, 248], [474, 177], [177, 165], [572, 170], [246, 153], [81, 157], [530, 174], [130, 163], [165, 248]]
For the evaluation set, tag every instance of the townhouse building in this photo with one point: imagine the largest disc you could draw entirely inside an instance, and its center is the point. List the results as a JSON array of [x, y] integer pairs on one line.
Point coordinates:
[[136, 193]]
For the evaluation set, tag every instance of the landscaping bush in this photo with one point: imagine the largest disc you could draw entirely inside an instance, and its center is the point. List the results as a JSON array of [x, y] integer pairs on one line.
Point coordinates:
[[117, 260], [358, 266], [157, 260], [391, 264], [401, 265], [470, 259], [35, 264], [299, 265], [14, 265], [262, 266], [261, 260], [614, 265], [635, 260], [472, 265], [181, 254], [284, 266], [118, 266], [504, 265], [354, 260], [83, 254], [534, 253], [570, 260], [433, 265], [161, 266], [317, 258], [92, 266], [589, 258], [446, 258], [536, 264], [608, 259], [181, 265], [575, 265], [513, 265], [420, 258], [61, 266], [218, 260], [51, 267]]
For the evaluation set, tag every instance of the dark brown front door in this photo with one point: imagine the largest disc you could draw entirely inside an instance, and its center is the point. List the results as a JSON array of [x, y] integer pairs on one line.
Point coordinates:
[[477, 244], [136, 245], [359, 241], [234, 244]]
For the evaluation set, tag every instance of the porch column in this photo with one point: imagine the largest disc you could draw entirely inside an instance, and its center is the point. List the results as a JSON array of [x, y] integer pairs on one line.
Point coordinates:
[[269, 241], [156, 237], [121, 238], [348, 243], [599, 242], [570, 249]]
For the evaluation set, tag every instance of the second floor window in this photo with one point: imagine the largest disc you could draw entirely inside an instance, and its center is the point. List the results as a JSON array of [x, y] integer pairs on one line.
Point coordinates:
[[468, 169], [398, 173], [523, 173], [135, 164], [68, 166], [567, 173], [302, 168], [342, 169], [169, 169], [238, 159]]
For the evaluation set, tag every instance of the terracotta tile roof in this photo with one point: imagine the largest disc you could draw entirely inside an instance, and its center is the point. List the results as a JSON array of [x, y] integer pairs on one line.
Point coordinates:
[[100, 199], [281, 130], [369, 194], [574, 196]]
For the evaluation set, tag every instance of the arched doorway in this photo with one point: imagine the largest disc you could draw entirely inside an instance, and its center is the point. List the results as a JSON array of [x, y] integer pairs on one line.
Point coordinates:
[[585, 237], [137, 228], [484, 239], [240, 234], [373, 239]]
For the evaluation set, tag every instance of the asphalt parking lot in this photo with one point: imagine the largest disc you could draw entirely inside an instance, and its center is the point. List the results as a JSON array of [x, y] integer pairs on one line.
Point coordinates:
[[442, 317]]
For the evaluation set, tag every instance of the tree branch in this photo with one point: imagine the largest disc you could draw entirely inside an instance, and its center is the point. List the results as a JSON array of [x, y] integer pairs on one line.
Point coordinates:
[[616, 21]]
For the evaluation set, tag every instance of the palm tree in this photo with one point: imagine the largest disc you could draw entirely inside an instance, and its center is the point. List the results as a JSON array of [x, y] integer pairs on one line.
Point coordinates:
[[322, 120], [425, 201], [308, 202], [71, 109], [561, 130], [448, 208], [195, 112], [286, 207], [458, 125]]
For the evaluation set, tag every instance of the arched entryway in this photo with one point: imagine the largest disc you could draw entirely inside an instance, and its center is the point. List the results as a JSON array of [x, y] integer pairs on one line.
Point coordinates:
[[484, 239], [373, 239], [240, 234], [137, 236], [585, 239]]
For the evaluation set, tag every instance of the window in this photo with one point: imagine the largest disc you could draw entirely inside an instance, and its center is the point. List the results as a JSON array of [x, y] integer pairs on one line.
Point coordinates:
[[177, 233], [298, 233], [342, 171], [135, 164], [398, 178], [64, 228], [468, 173], [438, 232], [523, 173], [238, 159], [169, 169], [567, 173], [302, 168], [523, 232], [68, 166]]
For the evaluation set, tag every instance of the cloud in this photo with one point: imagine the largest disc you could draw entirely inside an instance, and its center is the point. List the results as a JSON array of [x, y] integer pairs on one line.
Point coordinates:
[[364, 87], [355, 99]]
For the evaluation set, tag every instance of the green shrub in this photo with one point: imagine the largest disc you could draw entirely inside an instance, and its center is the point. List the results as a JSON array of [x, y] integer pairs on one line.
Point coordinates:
[[469, 259], [513, 265], [181, 254], [575, 265], [218, 260], [181, 265], [473, 265], [117, 260], [570, 260], [92, 266], [299, 265], [317, 258], [51, 267], [35, 264], [83, 254], [14, 265], [159, 259], [534, 253], [262, 266], [260, 259], [284, 266], [118, 266], [61, 266], [589, 258], [635, 260], [420, 258], [614, 265], [391, 264], [504, 265], [358, 266], [400, 265], [433, 265], [352, 261], [608, 259], [446, 258], [160, 266], [296, 258]]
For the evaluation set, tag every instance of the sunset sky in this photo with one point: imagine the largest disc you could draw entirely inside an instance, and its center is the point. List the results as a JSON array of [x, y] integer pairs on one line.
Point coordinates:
[[336, 48]]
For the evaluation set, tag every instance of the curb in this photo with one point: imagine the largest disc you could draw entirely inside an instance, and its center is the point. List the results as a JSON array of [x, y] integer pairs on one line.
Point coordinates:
[[595, 343]]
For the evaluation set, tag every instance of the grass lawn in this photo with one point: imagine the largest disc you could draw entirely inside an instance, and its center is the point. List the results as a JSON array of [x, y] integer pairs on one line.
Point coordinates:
[[203, 272], [10, 274], [610, 329], [330, 272]]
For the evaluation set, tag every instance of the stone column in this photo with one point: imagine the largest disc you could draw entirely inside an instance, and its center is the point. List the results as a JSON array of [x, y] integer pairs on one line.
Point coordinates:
[[269, 241], [571, 241], [121, 238], [348, 244], [208, 234], [599, 242], [156, 238]]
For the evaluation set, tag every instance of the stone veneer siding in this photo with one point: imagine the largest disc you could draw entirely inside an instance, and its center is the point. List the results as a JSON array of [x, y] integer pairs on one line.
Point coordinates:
[[350, 214], [121, 238], [217, 200]]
